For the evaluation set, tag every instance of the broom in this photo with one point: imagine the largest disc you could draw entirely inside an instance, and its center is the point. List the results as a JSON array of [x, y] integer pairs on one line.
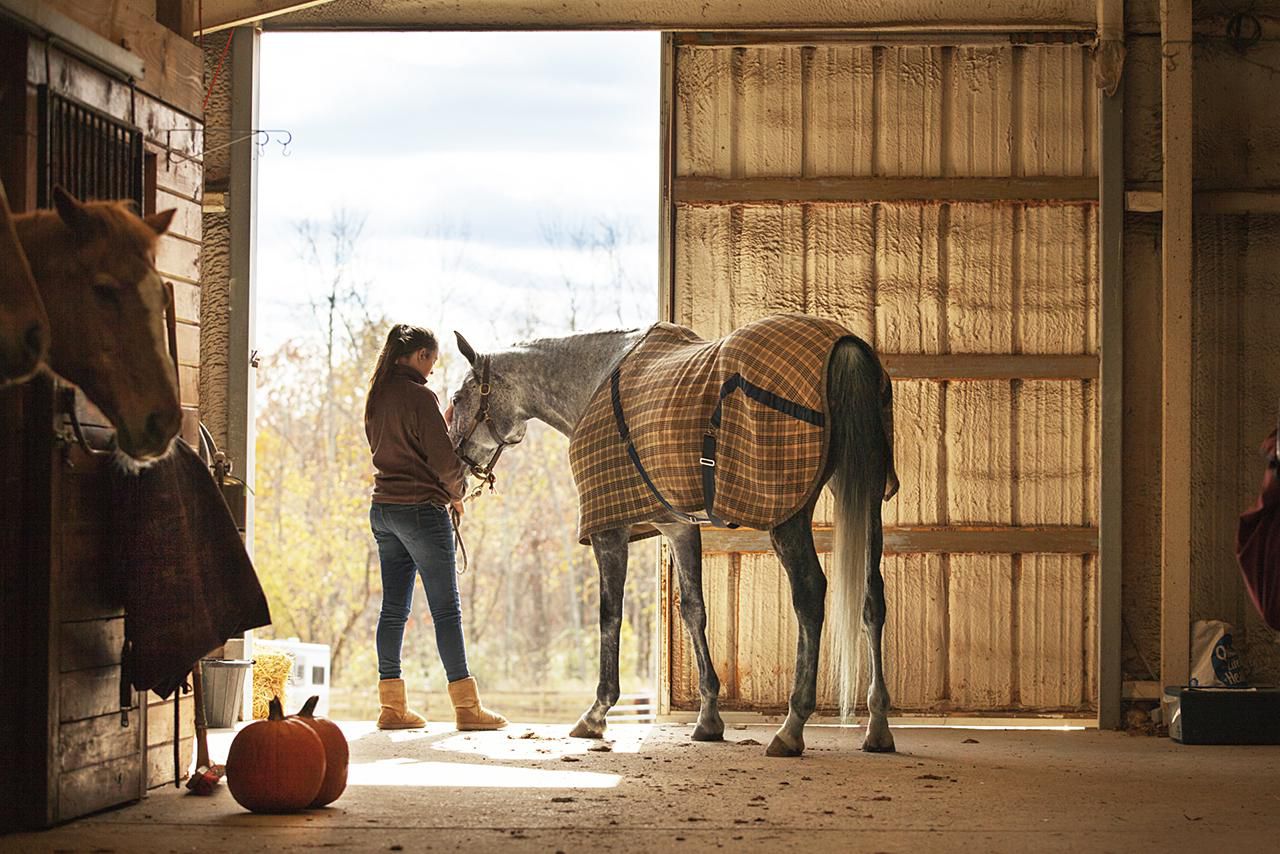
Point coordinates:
[[205, 779]]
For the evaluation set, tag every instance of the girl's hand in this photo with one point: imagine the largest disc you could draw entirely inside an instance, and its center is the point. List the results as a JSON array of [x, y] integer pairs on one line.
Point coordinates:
[[448, 414], [458, 508]]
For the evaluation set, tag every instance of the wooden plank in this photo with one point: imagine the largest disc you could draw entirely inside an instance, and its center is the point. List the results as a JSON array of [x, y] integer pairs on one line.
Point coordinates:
[[182, 177], [187, 297], [173, 65], [985, 37], [666, 211], [238, 13], [989, 366], [190, 379], [188, 219], [188, 344], [1064, 539], [690, 190], [160, 718], [95, 740], [191, 426], [178, 15], [159, 765], [84, 590], [177, 257], [1108, 568], [1219, 202], [99, 786], [91, 643], [1176, 420], [89, 693]]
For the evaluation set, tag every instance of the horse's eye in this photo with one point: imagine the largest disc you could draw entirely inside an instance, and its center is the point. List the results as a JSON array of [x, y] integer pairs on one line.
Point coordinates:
[[106, 290]]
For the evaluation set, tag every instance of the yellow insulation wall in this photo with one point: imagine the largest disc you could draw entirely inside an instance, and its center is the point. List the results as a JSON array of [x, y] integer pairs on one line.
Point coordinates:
[[965, 632]]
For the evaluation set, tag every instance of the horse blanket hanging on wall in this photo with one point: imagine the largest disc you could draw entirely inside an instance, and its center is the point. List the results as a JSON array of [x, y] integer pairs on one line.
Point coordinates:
[[735, 428]]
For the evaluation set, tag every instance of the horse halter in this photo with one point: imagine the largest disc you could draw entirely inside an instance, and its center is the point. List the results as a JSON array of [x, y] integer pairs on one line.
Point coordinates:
[[483, 472]]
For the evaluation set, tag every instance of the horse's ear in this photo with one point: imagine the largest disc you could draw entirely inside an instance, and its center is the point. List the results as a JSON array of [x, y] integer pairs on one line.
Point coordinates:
[[465, 348], [71, 210], [159, 222]]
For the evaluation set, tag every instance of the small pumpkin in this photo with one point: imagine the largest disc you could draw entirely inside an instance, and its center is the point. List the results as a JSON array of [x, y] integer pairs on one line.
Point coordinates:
[[277, 764], [336, 753]]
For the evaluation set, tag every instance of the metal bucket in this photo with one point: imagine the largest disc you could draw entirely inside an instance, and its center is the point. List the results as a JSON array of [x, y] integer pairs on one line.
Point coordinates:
[[223, 690]]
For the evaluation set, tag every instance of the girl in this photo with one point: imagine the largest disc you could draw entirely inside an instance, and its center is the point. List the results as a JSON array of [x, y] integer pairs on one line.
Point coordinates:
[[418, 477]]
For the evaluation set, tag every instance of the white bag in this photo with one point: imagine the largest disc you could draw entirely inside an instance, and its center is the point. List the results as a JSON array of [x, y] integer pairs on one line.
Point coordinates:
[[1213, 661]]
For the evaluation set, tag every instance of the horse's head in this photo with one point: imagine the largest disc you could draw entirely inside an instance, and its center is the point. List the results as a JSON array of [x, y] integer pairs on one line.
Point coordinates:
[[24, 328], [487, 415], [106, 307]]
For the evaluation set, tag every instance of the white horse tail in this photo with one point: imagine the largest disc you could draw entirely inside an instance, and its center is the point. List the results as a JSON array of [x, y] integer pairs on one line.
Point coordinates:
[[859, 452]]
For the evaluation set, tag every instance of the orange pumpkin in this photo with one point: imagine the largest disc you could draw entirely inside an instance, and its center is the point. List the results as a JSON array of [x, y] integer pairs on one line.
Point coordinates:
[[336, 753], [275, 765]]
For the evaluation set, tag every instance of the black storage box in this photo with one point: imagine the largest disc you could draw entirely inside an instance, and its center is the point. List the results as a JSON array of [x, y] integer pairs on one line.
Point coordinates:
[[1223, 715]]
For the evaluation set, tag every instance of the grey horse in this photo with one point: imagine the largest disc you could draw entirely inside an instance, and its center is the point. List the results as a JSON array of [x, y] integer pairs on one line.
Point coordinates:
[[554, 379]]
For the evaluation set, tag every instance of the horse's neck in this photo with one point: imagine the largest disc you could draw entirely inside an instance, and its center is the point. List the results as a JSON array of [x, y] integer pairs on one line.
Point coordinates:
[[559, 375]]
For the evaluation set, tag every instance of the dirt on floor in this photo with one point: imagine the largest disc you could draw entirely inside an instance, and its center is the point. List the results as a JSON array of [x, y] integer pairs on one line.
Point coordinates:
[[649, 788]]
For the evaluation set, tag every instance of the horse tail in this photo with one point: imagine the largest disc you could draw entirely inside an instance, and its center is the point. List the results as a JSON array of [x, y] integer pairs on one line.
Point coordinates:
[[859, 462]]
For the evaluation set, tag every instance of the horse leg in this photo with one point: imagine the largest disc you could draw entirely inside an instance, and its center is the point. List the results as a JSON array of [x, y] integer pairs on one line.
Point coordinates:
[[686, 547], [793, 543], [610, 548], [878, 738]]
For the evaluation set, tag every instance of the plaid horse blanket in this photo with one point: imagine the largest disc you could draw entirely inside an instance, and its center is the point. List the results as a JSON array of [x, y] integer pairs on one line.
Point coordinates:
[[741, 420]]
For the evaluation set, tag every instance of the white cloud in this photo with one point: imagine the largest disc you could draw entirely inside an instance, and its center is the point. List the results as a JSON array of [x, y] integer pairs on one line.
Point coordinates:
[[436, 136]]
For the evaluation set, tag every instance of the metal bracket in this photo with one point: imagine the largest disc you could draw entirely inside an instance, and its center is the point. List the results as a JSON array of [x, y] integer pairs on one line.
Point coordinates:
[[261, 137]]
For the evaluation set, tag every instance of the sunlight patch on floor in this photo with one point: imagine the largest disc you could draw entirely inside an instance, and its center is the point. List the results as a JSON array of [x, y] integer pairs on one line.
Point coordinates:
[[543, 742], [411, 772]]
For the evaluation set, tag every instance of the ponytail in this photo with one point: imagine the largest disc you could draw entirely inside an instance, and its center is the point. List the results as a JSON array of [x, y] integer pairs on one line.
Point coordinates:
[[402, 340]]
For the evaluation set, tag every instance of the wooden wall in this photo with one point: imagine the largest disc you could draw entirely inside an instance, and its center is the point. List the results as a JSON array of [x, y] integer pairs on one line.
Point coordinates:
[[766, 139]]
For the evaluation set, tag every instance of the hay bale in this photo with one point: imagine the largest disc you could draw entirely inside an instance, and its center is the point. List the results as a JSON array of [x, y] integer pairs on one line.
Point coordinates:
[[270, 675]]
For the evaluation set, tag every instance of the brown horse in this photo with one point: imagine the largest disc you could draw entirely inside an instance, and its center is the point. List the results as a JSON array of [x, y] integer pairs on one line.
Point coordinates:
[[94, 263], [24, 328]]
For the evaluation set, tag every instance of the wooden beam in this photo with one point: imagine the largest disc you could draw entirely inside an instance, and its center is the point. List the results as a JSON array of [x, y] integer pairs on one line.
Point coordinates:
[[870, 190], [225, 14], [675, 15], [1221, 202], [666, 207], [1110, 452], [178, 15], [173, 65], [74, 36], [1176, 415], [924, 539], [914, 37], [985, 366]]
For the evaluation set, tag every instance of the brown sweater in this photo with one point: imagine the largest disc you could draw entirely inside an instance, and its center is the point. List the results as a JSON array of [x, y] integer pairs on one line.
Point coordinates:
[[413, 458]]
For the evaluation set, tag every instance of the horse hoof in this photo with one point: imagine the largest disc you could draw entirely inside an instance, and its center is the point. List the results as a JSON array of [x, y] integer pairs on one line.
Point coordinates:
[[884, 745], [701, 733], [778, 747], [586, 730]]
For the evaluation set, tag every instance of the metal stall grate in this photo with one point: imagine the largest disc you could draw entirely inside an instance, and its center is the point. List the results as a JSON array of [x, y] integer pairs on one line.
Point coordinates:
[[90, 154]]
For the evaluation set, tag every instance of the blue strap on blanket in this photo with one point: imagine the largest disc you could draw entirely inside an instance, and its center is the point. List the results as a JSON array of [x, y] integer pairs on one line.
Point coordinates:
[[708, 459]]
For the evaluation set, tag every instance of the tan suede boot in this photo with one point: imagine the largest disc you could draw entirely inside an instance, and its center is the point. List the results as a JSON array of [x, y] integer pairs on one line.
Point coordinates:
[[467, 709], [396, 713]]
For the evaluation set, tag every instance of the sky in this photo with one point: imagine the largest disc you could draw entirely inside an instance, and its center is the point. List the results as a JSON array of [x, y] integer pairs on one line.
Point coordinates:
[[486, 168]]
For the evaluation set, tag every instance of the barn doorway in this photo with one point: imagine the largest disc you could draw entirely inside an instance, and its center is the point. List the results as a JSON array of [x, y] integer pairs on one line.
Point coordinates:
[[500, 184]]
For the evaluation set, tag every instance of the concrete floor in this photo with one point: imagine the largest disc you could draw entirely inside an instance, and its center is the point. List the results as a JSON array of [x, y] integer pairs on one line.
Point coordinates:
[[531, 788]]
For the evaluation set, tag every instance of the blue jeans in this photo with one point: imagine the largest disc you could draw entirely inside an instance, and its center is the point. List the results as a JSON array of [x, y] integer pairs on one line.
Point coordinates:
[[417, 539]]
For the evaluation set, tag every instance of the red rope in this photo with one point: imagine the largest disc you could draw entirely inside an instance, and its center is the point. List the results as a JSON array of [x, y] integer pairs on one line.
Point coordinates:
[[217, 71]]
